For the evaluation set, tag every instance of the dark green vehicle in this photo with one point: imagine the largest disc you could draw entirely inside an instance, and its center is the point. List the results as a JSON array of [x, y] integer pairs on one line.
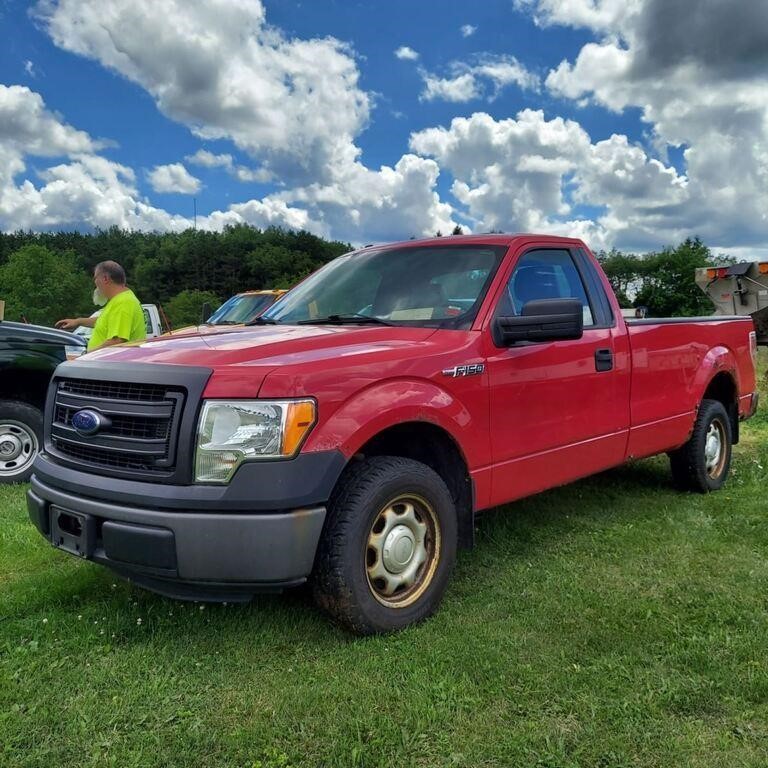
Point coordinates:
[[29, 355]]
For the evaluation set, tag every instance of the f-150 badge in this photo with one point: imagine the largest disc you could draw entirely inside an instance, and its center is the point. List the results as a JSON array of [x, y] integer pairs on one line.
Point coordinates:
[[464, 370]]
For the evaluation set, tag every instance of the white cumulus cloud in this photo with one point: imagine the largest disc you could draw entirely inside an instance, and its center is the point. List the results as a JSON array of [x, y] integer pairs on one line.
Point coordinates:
[[208, 159], [28, 127], [467, 30], [529, 173], [173, 177], [392, 203], [460, 88], [484, 77], [294, 105], [406, 53], [85, 191]]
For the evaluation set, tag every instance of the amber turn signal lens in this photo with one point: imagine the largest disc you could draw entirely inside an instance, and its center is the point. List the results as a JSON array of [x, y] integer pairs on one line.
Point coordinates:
[[763, 267], [299, 421]]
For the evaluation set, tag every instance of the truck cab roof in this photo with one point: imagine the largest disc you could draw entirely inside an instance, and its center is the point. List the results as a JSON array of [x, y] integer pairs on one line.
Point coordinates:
[[491, 238]]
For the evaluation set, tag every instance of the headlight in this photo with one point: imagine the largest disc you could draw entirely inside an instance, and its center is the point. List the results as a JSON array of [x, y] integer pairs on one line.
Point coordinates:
[[231, 432]]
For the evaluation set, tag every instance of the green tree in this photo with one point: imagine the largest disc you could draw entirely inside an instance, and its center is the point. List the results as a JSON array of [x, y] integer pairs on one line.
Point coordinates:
[[662, 281], [186, 308], [41, 286], [668, 288], [275, 266], [624, 272]]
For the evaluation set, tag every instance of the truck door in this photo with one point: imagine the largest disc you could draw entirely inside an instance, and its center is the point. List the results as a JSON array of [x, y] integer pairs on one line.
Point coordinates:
[[559, 409]]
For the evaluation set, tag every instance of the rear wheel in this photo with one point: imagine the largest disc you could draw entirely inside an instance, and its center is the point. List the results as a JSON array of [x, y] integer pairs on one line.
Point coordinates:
[[388, 546], [703, 463], [21, 435]]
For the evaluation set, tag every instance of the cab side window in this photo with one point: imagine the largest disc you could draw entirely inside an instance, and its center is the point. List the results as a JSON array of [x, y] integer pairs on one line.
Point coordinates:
[[544, 274]]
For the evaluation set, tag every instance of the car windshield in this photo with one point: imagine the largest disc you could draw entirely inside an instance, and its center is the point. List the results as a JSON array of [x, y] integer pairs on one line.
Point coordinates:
[[437, 286], [241, 309]]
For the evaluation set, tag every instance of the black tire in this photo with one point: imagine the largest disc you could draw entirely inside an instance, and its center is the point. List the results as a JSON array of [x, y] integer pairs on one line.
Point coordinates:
[[692, 468], [372, 498], [21, 436]]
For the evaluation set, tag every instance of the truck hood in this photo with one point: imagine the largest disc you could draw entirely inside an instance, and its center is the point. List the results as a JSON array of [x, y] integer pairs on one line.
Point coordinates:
[[271, 345]]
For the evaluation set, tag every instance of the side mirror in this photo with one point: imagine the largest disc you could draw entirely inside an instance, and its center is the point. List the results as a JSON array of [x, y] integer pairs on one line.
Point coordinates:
[[541, 320], [205, 313]]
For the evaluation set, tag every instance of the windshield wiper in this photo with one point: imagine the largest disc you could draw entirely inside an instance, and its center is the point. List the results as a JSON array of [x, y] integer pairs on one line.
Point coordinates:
[[262, 321], [353, 318]]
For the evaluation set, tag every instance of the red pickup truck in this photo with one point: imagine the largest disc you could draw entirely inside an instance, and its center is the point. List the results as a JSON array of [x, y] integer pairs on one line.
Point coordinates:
[[351, 435]]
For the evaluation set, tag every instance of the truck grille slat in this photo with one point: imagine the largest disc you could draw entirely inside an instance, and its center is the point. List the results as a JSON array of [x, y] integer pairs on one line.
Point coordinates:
[[113, 390], [142, 430], [101, 458], [138, 427]]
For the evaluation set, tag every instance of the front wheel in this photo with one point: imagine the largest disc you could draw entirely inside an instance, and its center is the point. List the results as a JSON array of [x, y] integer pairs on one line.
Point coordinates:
[[388, 546], [703, 463], [21, 435]]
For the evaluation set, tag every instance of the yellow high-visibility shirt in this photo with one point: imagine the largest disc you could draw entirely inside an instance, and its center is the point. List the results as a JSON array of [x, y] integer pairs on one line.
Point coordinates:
[[121, 318]]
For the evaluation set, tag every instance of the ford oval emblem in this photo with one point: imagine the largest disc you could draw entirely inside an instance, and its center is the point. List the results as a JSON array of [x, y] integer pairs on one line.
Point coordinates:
[[88, 422]]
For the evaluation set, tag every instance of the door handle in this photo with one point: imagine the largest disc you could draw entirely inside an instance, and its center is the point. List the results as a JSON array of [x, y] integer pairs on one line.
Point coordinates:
[[603, 360]]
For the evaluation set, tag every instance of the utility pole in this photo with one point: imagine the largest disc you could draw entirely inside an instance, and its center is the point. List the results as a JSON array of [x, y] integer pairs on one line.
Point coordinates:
[[194, 208]]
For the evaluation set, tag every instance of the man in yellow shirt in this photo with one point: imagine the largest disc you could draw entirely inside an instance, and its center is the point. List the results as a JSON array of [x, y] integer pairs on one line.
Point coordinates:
[[122, 319]]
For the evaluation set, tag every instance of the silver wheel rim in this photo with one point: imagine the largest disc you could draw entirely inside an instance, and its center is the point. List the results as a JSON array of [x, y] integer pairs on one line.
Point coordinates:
[[714, 449], [18, 448], [402, 551]]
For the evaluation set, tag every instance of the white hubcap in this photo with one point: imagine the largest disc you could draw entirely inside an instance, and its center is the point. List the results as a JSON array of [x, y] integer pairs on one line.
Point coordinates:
[[713, 447], [18, 446], [10, 447], [399, 548]]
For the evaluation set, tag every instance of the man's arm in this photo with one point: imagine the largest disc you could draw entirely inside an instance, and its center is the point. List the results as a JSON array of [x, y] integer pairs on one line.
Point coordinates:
[[71, 323], [109, 343]]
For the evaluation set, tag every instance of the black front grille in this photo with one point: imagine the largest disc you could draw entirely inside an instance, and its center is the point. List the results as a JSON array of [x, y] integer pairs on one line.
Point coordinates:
[[140, 430]]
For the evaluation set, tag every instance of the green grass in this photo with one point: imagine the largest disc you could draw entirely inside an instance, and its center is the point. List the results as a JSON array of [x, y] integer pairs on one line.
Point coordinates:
[[611, 623]]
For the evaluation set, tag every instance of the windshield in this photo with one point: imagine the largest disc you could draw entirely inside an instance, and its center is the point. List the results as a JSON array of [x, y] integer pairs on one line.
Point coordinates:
[[241, 309], [438, 286]]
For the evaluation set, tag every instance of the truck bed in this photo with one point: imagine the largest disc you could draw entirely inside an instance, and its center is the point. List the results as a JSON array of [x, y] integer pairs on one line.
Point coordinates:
[[670, 357]]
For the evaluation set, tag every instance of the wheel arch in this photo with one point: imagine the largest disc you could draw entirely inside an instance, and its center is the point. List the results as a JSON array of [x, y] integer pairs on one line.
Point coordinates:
[[434, 446], [723, 388], [27, 386]]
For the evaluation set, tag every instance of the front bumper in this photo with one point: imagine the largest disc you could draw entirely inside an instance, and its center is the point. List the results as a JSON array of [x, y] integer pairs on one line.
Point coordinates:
[[183, 553]]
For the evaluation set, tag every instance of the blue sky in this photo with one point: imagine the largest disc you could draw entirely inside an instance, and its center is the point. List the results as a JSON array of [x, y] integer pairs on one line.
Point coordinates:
[[380, 120]]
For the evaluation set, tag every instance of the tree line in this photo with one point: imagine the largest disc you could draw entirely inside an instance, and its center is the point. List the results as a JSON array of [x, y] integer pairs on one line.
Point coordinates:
[[46, 276]]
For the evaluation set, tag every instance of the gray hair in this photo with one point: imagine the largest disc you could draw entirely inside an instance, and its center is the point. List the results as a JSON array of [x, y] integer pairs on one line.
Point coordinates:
[[112, 270]]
